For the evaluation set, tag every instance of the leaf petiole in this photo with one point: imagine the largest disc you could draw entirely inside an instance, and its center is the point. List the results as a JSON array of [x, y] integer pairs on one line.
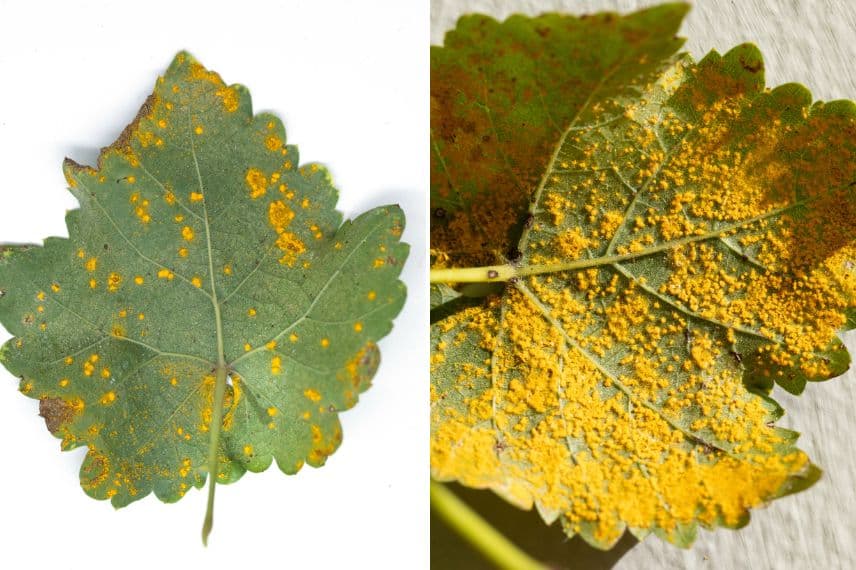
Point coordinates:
[[488, 274], [478, 532], [213, 447]]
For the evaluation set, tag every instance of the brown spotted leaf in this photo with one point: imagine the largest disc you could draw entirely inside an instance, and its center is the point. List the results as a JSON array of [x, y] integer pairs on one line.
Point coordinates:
[[208, 294], [688, 247], [501, 94]]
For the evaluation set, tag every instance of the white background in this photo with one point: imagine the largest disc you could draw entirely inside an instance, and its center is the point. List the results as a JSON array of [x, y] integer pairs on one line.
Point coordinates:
[[811, 42], [350, 81]]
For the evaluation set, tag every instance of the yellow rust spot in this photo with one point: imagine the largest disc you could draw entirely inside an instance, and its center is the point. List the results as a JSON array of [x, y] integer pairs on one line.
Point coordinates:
[[55, 287], [91, 264], [196, 281], [93, 283], [273, 143], [291, 246], [275, 365], [270, 345], [184, 470], [114, 282], [108, 398], [248, 449], [140, 207], [187, 233], [371, 296], [325, 342], [198, 130], [257, 182], [229, 97], [196, 197], [313, 395], [293, 337], [272, 411], [251, 312], [139, 280], [183, 252], [227, 270], [166, 274], [358, 327], [279, 215]]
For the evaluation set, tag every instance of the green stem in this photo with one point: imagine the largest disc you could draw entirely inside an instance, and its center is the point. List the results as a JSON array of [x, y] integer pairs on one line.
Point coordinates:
[[214, 448], [478, 532], [486, 274]]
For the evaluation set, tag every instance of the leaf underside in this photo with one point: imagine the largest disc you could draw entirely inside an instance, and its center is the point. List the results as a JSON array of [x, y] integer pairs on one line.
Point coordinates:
[[199, 240], [687, 242]]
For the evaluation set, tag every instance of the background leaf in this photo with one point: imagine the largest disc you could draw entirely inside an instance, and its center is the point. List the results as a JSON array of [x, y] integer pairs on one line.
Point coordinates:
[[501, 94]]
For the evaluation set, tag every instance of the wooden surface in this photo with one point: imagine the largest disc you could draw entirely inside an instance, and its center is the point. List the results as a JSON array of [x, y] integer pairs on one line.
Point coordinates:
[[813, 43]]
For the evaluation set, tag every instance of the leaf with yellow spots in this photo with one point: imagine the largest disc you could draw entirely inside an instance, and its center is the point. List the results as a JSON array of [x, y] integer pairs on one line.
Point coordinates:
[[688, 243], [210, 312]]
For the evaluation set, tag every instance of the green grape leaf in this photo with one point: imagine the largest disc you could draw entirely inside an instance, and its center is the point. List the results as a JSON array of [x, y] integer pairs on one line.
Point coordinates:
[[501, 94], [689, 247], [209, 312]]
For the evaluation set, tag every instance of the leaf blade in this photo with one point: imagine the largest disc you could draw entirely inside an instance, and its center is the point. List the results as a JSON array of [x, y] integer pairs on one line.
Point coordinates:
[[655, 292], [199, 207]]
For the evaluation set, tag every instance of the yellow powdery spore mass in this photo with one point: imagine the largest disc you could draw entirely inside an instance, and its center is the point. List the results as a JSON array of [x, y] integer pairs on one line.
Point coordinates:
[[571, 244], [597, 442]]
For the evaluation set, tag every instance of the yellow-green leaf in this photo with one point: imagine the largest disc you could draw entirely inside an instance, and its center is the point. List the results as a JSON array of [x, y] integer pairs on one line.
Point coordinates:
[[688, 247]]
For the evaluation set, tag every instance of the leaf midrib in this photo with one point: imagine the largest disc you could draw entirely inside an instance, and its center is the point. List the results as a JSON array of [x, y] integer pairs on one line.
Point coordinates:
[[221, 360]]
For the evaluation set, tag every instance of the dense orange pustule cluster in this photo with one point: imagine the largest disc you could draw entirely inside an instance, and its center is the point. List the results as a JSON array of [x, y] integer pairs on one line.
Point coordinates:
[[561, 427]]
